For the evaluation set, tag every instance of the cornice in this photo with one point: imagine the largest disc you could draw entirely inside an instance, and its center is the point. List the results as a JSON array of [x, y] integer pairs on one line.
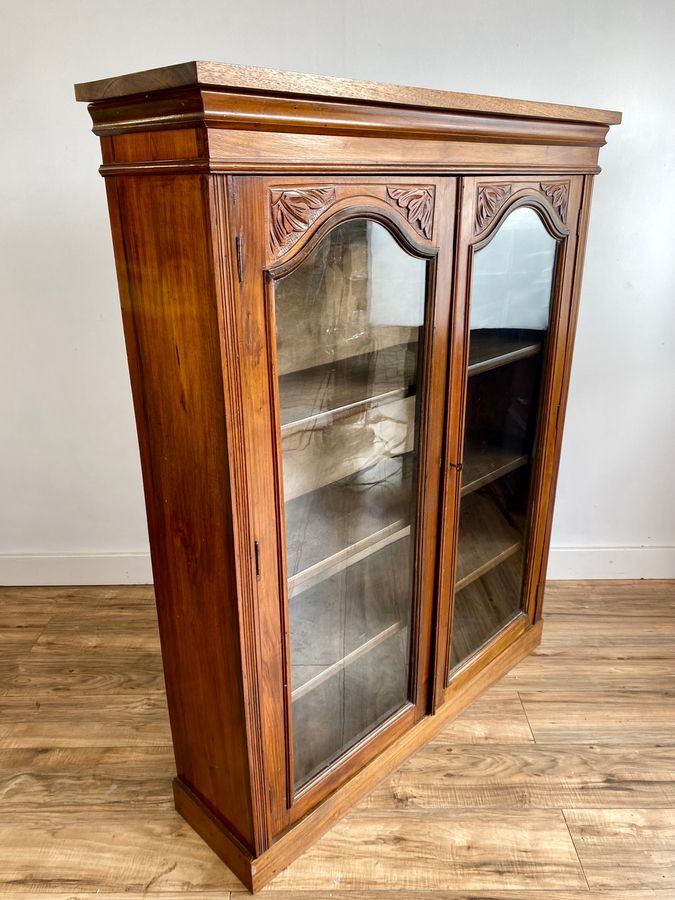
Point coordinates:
[[190, 108]]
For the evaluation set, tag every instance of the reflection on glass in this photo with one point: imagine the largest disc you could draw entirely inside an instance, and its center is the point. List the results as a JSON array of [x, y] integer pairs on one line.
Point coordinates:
[[349, 328], [510, 306]]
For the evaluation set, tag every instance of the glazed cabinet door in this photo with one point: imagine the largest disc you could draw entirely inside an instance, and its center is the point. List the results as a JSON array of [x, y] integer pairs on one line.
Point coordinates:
[[344, 317], [516, 253]]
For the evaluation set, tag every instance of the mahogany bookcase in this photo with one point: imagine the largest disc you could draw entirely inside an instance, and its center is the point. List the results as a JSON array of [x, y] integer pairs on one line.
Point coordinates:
[[349, 313]]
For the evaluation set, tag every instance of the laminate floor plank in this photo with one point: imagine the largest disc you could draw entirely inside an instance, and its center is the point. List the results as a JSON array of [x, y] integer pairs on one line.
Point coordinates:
[[100, 778], [505, 894], [22, 621], [87, 644], [602, 631], [541, 776], [207, 894], [617, 599], [439, 850], [90, 634], [603, 717], [83, 720], [17, 611], [15, 647], [46, 670], [81, 593], [626, 655], [379, 894], [111, 850], [635, 845], [606, 671], [491, 718]]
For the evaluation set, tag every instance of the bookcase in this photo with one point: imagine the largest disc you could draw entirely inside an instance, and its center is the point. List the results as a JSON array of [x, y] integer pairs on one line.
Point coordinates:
[[349, 312]]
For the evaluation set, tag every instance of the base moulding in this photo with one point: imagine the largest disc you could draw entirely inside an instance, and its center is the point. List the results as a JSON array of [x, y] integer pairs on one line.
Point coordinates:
[[256, 872]]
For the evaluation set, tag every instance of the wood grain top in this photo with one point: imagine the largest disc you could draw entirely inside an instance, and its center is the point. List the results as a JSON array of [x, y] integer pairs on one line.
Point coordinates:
[[253, 79]]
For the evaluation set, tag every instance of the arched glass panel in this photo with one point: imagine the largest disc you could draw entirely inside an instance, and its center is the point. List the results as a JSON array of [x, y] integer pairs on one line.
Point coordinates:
[[349, 329], [510, 303]]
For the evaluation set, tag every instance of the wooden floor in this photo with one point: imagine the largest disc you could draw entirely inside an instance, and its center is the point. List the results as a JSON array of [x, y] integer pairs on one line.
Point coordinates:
[[558, 783]]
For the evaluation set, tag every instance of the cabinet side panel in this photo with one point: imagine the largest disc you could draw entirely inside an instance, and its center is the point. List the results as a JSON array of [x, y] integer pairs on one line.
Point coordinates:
[[161, 233], [575, 274]]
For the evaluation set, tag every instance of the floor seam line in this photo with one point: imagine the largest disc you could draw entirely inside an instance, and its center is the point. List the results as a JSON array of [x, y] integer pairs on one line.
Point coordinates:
[[576, 851], [527, 718]]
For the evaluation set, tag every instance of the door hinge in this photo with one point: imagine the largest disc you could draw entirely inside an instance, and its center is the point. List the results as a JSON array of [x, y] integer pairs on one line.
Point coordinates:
[[256, 557], [237, 247]]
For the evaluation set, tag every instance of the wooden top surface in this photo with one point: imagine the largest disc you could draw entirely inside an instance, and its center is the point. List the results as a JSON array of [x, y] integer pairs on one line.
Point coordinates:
[[253, 79]]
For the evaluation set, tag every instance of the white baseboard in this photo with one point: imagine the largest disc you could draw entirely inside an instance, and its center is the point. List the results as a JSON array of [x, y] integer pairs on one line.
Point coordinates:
[[565, 563], [571, 563], [75, 568]]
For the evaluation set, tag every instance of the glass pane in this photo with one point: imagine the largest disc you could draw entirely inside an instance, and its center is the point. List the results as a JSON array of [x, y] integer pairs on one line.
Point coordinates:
[[349, 330], [511, 290]]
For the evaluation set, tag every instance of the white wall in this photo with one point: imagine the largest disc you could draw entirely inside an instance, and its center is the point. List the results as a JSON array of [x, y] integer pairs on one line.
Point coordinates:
[[70, 489]]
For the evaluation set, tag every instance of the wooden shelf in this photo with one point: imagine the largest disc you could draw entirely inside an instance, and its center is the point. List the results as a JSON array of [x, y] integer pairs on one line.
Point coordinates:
[[486, 606], [351, 701], [349, 648], [332, 528], [486, 538], [484, 463], [490, 348], [314, 397], [328, 672], [349, 556]]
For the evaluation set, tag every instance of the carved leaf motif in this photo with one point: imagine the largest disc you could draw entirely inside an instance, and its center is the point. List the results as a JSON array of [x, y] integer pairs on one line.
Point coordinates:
[[490, 198], [418, 203], [557, 192], [293, 211]]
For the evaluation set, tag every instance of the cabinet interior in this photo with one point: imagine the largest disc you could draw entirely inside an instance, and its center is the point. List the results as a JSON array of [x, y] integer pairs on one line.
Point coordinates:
[[348, 392]]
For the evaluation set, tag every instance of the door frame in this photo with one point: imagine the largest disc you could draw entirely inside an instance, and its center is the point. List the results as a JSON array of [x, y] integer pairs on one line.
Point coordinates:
[[484, 202], [267, 245]]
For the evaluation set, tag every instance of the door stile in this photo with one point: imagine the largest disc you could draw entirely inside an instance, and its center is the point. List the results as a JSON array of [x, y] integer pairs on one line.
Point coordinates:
[[250, 358], [453, 436], [219, 193], [437, 387]]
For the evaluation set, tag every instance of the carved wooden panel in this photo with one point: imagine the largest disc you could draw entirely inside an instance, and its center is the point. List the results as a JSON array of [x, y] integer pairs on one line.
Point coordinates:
[[292, 211], [489, 199], [558, 193], [418, 205]]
